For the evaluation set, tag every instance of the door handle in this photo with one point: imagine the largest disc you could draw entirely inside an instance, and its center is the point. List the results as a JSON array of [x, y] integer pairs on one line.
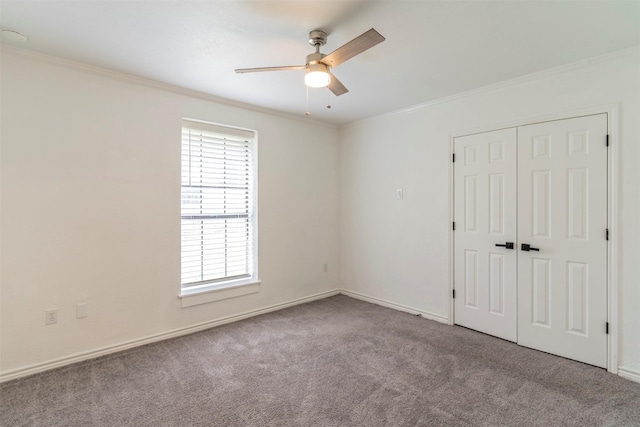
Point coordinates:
[[526, 247], [508, 245]]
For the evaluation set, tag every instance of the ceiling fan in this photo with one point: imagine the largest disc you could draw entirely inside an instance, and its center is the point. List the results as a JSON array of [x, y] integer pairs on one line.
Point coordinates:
[[318, 64]]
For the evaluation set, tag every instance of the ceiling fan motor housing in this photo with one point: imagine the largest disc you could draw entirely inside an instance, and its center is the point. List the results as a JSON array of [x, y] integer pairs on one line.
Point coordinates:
[[315, 58]]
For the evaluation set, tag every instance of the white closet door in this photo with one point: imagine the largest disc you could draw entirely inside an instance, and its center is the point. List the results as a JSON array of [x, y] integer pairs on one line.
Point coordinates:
[[485, 216], [562, 214]]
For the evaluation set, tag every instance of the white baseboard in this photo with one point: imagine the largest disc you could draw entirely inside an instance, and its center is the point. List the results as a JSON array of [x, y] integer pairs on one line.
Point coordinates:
[[630, 372], [395, 306], [79, 357]]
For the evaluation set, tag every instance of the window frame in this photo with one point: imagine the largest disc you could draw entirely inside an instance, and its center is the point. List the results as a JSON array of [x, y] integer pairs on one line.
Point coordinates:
[[193, 293]]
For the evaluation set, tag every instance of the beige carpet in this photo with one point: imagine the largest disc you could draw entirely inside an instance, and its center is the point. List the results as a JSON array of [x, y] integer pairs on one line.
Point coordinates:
[[334, 362]]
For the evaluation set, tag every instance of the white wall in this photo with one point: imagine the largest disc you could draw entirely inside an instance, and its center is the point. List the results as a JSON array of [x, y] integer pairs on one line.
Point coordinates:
[[90, 170], [90, 188], [398, 250]]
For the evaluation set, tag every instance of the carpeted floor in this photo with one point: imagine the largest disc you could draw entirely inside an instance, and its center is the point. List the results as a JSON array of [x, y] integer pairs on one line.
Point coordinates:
[[334, 362]]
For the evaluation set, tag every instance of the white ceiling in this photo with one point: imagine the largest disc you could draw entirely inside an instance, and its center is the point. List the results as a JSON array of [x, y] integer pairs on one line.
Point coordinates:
[[433, 48]]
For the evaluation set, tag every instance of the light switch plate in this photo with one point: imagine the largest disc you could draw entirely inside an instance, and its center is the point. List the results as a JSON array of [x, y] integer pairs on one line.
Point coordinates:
[[81, 310]]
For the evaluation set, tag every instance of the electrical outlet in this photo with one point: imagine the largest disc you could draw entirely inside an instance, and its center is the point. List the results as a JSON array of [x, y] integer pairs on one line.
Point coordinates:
[[50, 317]]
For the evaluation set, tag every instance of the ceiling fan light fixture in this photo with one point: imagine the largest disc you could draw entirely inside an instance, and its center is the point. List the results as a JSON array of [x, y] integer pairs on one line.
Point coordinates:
[[317, 75]]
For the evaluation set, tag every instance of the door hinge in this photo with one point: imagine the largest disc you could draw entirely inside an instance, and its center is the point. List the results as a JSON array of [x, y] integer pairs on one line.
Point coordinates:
[[454, 294], [607, 234], [453, 227], [453, 157], [607, 140], [606, 328]]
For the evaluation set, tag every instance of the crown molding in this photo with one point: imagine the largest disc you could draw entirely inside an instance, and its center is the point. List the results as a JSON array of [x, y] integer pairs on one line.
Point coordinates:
[[155, 84], [549, 72]]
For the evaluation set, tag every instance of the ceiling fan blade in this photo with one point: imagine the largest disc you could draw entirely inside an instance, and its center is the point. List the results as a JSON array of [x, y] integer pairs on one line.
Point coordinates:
[[284, 68], [336, 86], [354, 47]]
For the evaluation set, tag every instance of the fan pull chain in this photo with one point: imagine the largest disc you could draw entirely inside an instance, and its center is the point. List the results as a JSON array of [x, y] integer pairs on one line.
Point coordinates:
[[307, 113], [328, 102]]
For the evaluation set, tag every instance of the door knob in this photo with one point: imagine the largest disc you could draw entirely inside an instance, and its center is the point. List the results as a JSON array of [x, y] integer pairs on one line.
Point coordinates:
[[508, 245], [526, 247]]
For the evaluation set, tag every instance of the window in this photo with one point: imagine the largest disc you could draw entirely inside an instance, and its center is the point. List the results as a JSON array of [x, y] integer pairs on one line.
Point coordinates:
[[217, 207]]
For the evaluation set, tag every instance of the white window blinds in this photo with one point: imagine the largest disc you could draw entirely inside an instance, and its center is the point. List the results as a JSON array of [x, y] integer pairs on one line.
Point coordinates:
[[217, 204]]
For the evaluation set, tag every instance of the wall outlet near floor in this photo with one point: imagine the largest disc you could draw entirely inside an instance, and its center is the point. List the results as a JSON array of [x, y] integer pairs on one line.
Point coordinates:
[[50, 317]]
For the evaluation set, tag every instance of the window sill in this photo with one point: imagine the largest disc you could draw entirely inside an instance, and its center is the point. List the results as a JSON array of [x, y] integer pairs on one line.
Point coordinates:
[[219, 292]]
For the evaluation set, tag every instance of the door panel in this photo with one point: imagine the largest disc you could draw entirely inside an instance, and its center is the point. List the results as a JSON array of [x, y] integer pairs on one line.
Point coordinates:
[[496, 283], [539, 205], [485, 214], [562, 211], [540, 269]]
